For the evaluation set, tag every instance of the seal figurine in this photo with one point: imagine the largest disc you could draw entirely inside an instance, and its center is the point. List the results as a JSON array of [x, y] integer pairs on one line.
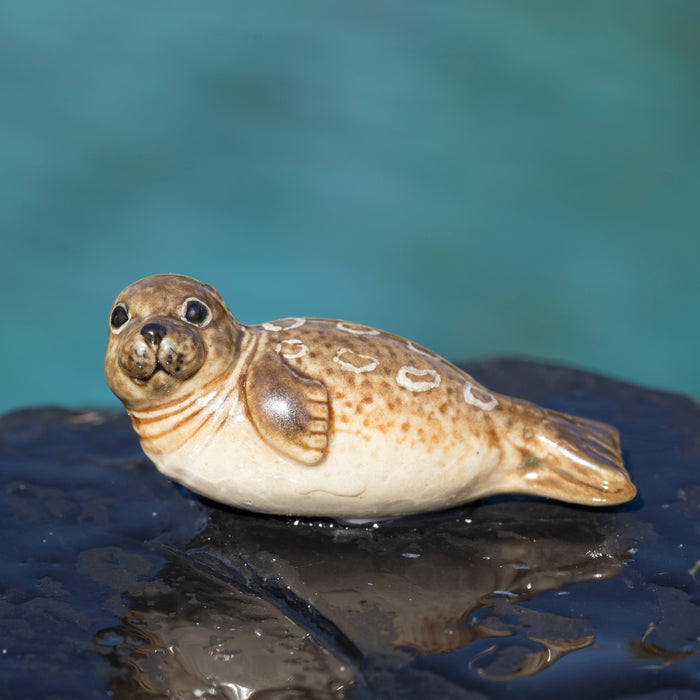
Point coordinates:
[[315, 417]]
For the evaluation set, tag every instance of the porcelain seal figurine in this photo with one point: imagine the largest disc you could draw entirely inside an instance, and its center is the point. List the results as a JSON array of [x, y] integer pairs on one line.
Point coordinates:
[[315, 417]]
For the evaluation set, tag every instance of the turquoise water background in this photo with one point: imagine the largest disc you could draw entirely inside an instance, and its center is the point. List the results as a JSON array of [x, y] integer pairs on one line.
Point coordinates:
[[513, 178]]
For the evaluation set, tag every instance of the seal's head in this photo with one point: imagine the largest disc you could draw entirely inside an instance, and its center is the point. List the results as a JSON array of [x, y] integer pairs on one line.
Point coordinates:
[[168, 335]]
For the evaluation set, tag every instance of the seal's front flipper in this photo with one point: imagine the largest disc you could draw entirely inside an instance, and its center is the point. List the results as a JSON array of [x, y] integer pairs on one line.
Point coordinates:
[[290, 410], [574, 459]]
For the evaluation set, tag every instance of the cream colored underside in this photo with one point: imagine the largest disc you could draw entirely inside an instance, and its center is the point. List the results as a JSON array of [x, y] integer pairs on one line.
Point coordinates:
[[370, 477]]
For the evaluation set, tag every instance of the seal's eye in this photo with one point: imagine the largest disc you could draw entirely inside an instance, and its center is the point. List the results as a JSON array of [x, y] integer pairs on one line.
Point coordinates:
[[196, 312], [119, 316]]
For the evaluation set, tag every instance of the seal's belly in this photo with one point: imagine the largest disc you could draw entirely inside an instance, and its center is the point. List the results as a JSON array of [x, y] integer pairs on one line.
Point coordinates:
[[359, 478]]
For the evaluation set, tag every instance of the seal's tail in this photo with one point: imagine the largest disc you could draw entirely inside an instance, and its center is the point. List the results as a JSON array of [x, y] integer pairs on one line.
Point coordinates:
[[576, 460]]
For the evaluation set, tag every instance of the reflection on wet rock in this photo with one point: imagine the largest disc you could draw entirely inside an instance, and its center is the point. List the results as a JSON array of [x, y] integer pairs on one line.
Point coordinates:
[[509, 661], [660, 656], [547, 638], [417, 588], [675, 636], [117, 581], [194, 635]]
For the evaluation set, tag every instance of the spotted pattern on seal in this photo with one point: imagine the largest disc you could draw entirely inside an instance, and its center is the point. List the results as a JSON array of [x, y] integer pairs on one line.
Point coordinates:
[[415, 379], [367, 377]]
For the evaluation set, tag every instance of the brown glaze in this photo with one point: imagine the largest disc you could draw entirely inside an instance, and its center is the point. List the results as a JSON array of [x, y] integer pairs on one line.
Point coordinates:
[[209, 396], [141, 372], [289, 409]]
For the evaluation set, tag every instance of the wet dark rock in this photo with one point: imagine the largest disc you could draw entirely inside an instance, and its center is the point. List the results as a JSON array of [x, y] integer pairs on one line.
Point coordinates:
[[118, 582]]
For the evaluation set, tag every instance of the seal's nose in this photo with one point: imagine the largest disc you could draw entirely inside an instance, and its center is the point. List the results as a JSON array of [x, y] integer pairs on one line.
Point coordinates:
[[154, 332]]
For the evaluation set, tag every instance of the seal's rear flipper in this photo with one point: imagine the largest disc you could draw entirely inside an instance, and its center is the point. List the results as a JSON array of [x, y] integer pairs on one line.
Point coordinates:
[[576, 460]]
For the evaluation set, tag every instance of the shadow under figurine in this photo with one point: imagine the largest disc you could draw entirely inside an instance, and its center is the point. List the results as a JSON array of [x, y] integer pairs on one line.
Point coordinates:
[[316, 417]]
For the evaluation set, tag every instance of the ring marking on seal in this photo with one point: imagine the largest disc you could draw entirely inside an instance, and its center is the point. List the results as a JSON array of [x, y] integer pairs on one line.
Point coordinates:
[[479, 398], [296, 323], [342, 326], [344, 364], [406, 382], [294, 348]]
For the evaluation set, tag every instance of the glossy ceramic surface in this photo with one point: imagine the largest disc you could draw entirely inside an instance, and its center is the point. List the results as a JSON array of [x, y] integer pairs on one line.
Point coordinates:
[[329, 418]]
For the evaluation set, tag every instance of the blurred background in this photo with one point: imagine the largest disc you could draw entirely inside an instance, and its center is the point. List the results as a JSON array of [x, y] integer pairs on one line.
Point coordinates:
[[484, 178]]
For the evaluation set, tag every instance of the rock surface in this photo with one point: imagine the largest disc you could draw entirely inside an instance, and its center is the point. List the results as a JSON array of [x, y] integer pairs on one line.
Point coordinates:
[[118, 582]]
